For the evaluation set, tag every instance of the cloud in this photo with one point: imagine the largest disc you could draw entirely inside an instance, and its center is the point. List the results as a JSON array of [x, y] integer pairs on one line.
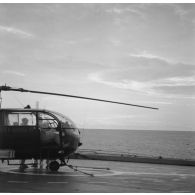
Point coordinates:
[[15, 73], [179, 10], [137, 12], [128, 9], [150, 75], [115, 10], [114, 41], [146, 54], [183, 11], [153, 102], [15, 31]]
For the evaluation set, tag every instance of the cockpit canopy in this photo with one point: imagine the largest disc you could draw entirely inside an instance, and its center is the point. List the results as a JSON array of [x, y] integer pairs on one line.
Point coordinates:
[[34, 117], [64, 120]]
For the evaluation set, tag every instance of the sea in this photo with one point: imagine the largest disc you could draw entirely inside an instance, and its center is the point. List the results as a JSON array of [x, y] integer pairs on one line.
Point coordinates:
[[167, 144]]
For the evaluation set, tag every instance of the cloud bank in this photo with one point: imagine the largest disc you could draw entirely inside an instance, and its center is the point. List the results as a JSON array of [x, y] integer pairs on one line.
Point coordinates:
[[150, 74]]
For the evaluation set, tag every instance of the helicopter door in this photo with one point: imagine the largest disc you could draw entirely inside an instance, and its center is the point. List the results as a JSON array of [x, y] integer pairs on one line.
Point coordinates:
[[49, 133], [22, 134]]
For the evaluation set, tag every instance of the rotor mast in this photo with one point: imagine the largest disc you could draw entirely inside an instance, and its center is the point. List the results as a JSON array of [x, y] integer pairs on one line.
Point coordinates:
[[7, 88]]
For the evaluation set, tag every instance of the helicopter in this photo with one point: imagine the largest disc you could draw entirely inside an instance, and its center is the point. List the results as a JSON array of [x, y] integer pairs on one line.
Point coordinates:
[[27, 133]]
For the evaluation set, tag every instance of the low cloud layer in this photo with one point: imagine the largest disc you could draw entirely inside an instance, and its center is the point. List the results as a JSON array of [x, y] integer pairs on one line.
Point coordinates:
[[150, 75]]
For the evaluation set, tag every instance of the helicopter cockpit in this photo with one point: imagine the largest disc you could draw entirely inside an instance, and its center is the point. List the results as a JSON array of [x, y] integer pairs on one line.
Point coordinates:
[[32, 129]]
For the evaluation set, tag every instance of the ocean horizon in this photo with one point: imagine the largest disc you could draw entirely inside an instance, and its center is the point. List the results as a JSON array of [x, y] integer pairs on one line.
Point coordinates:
[[167, 144]]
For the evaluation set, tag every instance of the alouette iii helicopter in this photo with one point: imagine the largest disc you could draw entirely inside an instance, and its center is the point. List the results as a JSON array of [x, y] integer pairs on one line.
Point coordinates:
[[40, 134]]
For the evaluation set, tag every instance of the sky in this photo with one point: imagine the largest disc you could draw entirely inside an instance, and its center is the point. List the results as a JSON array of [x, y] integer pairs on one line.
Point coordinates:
[[134, 53]]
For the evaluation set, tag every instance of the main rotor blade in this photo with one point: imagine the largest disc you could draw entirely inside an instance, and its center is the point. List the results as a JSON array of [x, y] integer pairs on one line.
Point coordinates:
[[7, 88]]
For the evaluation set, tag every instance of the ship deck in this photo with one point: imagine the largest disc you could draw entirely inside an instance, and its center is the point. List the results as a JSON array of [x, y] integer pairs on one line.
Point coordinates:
[[109, 176]]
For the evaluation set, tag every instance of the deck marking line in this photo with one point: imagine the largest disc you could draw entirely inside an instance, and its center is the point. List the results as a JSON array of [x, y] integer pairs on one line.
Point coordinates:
[[53, 182], [17, 181], [97, 182]]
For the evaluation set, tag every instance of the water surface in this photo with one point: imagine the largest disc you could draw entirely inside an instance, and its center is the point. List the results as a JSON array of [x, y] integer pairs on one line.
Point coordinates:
[[171, 144]]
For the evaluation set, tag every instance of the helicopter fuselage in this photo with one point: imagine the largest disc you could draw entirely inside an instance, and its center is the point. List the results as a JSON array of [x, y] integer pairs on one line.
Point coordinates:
[[37, 133]]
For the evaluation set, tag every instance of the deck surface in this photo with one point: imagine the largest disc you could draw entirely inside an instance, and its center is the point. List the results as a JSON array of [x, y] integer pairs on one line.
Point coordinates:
[[122, 177]]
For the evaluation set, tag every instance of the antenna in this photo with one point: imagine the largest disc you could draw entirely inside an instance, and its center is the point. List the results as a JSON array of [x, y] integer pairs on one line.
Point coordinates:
[[1, 99], [7, 88]]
